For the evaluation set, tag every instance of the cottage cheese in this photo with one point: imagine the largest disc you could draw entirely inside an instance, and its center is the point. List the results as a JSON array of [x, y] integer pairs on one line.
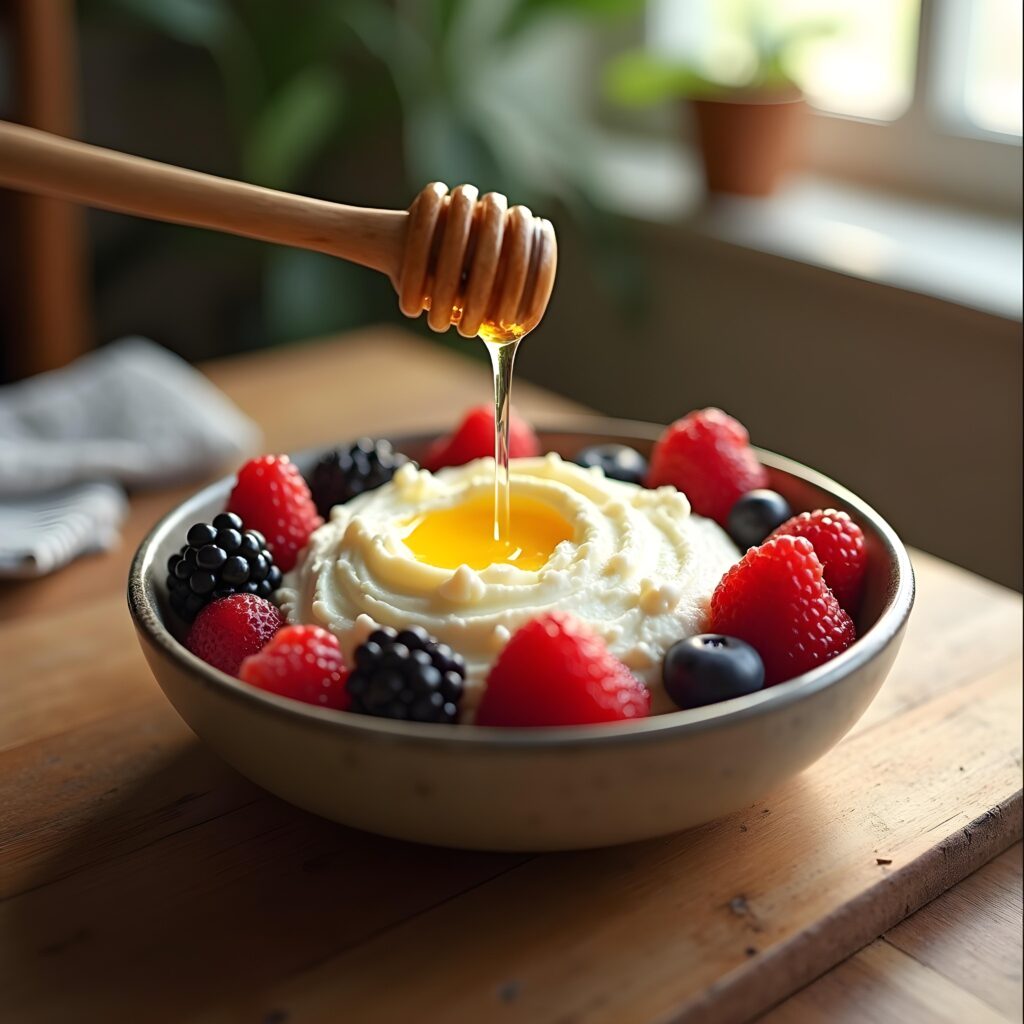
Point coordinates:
[[638, 567]]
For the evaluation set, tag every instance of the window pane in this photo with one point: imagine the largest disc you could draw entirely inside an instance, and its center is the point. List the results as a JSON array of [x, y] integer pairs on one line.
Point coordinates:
[[854, 57], [992, 86], [865, 67]]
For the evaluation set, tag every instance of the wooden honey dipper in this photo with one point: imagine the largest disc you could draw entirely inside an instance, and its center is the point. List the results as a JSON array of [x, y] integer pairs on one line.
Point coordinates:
[[468, 260]]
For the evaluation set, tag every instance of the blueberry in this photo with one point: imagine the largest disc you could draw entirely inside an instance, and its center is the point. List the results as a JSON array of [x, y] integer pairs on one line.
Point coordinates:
[[618, 462], [709, 667], [755, 515]]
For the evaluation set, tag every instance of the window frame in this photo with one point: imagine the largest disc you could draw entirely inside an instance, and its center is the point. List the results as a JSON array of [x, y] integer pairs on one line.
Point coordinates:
[[927, 149]]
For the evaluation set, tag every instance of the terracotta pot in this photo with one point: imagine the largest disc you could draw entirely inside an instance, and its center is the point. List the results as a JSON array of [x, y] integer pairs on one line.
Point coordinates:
[[749, 142]]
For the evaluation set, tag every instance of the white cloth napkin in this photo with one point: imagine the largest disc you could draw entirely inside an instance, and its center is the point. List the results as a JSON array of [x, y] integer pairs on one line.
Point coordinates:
[[129, 414], [41, 533]]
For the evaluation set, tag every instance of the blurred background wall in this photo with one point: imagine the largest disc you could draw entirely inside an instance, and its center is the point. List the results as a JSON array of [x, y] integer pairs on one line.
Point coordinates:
[[860, 309]]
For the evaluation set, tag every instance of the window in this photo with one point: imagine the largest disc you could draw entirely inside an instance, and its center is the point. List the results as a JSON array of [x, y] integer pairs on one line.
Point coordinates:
[[863, 65], [921, 94], [853, 57], [977, 78]]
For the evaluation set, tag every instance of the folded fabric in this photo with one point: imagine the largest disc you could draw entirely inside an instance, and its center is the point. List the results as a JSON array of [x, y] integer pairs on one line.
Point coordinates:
[[128, 415], [41, 533], [131, 412]]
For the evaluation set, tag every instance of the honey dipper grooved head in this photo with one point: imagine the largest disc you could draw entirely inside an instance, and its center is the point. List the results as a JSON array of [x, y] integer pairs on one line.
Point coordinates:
[[472, 261]]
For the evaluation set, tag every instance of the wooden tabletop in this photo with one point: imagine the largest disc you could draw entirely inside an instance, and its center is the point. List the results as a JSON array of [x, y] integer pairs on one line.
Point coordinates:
[[143, 879]]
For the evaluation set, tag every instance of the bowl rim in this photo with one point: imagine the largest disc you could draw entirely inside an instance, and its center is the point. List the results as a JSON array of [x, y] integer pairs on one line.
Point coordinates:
[[891, 620]]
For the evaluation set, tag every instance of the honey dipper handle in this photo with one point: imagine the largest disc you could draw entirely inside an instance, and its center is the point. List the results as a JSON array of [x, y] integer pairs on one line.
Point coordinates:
[[35, 161]]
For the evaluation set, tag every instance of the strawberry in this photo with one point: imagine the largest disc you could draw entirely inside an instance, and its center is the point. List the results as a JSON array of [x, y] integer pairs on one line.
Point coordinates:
[[839, 544], [556, 671], [301, 662], [776, 599], [474, 439], [229, 630], [707, 456], [272, 497]]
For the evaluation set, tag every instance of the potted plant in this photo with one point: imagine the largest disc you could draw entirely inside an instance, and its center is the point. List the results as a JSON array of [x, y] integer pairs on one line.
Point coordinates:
[[749, 128]]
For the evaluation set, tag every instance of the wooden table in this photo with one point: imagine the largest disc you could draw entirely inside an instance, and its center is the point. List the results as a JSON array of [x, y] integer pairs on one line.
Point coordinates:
[[141, 879]]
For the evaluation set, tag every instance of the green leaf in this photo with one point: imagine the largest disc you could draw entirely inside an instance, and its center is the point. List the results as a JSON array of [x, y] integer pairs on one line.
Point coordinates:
[[638, 78], [772, 74], [775, 49], [803, 32], [523, 13], [293, 127], [445, 14]]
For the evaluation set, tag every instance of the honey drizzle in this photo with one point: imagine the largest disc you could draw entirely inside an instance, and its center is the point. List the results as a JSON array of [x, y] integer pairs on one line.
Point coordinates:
[[501, 342]]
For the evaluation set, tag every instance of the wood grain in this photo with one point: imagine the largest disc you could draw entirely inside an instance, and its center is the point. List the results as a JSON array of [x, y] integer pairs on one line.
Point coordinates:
[[957, 959], [141, 878], [47, 164], [439, 254], [883, 983], [49, 287], [972, 934], [714, 924]]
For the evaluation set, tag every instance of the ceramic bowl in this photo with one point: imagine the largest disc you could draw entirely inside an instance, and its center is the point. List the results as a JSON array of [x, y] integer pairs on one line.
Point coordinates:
[[532, 789]]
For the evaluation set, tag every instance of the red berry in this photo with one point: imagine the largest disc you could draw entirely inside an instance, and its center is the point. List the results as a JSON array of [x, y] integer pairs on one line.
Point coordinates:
[[707, 456], [556, 671], [272, 497], [301, 662], [474, 439], [777, 600], [839, 544], [229, 630]]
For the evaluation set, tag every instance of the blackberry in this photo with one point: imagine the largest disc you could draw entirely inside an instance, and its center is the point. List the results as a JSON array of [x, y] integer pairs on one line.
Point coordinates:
[[407, 675], [220, 559], [343, 473]]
